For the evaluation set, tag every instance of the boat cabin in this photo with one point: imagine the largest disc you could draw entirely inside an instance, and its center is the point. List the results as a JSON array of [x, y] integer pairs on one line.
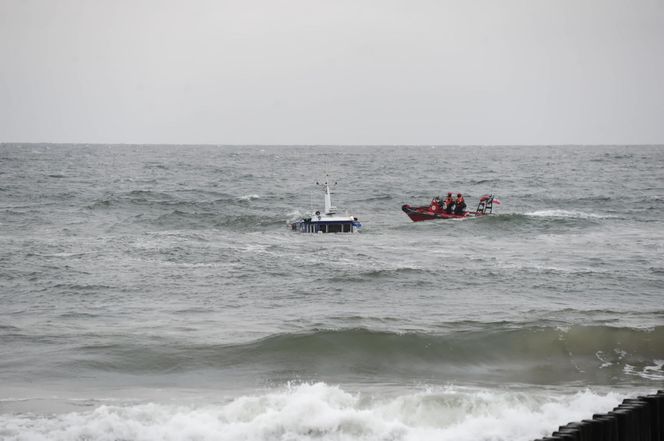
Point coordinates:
[[324, 226]]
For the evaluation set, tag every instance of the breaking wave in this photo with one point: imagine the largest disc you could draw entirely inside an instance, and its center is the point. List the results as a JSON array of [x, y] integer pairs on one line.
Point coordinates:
[[318, 411]]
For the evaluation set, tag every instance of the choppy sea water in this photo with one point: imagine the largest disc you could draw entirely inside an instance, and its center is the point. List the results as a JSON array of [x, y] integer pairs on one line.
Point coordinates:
[[155, 293]]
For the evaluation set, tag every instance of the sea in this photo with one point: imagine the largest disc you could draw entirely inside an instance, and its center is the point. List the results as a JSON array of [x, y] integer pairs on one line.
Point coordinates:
[[155, 292]]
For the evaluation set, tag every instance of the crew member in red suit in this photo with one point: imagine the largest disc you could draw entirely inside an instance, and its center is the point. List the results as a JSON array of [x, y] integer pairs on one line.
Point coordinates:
[[460, 204], [449, 203]]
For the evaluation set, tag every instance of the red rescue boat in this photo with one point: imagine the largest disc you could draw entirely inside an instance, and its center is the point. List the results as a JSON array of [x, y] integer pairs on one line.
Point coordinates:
[[435, 210]]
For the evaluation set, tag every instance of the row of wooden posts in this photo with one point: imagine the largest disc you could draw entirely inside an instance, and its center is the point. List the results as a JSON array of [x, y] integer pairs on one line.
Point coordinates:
[[636, 419]]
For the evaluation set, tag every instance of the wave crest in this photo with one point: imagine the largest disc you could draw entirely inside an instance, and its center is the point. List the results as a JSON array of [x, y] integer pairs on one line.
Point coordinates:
[[594, 354], [567, 214]]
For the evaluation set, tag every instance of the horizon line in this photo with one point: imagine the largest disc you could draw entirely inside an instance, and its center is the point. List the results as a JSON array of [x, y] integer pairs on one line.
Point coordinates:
[[322, 145]]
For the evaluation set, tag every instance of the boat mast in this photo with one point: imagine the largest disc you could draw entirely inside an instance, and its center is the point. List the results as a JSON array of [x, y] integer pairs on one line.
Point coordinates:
[[329, 209]]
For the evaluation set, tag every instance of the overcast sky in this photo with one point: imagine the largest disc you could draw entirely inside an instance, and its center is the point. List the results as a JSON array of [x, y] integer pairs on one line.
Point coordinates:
[[332, 71]]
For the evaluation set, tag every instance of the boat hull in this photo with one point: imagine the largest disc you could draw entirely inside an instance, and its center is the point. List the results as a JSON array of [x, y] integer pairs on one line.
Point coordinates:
[[419, 214]]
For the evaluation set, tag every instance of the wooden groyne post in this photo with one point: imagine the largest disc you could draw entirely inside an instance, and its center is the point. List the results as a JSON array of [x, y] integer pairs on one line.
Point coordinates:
[[636, 419]]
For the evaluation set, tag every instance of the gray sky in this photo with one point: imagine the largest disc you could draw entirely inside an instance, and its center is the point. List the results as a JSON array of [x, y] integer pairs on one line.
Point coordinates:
[[332, 71]]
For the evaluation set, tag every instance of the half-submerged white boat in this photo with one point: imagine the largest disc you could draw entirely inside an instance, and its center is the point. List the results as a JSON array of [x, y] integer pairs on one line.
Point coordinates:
[[328, 221]]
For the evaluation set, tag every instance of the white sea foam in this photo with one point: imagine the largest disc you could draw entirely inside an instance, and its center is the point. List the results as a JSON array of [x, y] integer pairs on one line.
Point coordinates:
[[567, 214], [601, 357], [318, 411], [655, 372], [249, 197]]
